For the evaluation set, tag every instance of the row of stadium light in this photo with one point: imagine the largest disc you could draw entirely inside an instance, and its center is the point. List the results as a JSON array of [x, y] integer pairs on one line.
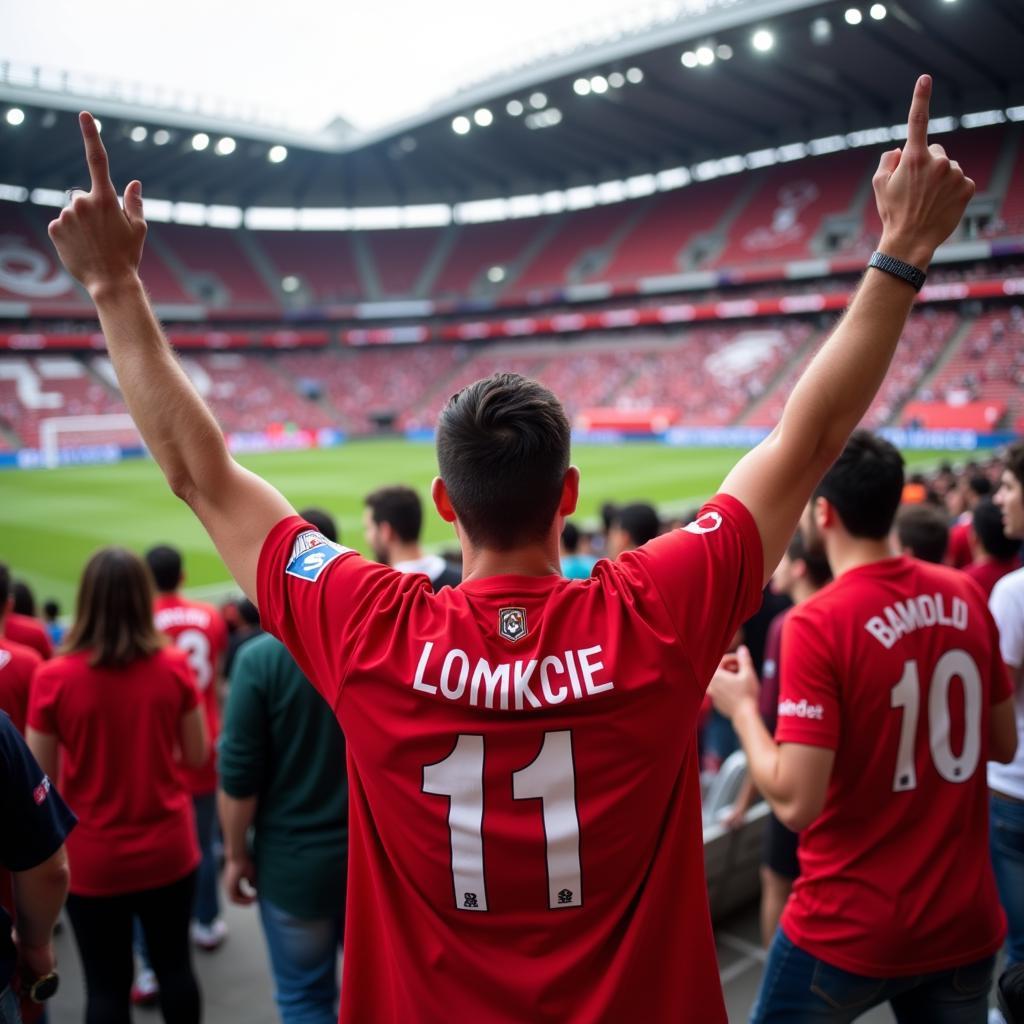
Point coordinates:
[[515, 207], [199, 141]]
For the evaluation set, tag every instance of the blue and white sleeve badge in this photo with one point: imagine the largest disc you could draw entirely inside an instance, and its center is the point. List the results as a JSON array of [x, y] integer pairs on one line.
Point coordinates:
[[311, 553]]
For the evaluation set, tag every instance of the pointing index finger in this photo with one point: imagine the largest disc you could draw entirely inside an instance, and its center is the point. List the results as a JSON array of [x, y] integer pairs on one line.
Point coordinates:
[[917, 122], [95, 155]]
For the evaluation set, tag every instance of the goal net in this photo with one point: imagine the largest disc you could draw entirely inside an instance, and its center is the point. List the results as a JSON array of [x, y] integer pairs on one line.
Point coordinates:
[[110, 432]]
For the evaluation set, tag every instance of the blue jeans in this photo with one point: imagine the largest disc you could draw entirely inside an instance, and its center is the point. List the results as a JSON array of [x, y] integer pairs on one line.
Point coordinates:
[[304, 961], [797, 988], [9, 1012], [207, 904], [1006, 839]]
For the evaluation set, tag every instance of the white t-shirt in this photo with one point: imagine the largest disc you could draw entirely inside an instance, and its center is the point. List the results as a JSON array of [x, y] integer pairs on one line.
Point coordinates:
[[1007, 605]]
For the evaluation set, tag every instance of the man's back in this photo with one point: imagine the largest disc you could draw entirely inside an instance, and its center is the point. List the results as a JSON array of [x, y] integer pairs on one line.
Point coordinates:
[[524, 800], [895, 666], [17, 663]]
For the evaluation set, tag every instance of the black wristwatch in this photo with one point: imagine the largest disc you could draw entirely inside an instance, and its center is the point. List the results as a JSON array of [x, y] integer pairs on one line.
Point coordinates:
[[904, 271], [42, 988]]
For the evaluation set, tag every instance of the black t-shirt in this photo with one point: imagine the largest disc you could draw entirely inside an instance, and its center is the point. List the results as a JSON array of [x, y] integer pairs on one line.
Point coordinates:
[[34, 821]]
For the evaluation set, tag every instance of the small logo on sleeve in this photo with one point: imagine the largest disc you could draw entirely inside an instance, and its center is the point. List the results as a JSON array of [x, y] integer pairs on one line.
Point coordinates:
[[706, 522], [801, 709], [512, 624], [311, 553], [40, 793], [5, 659]]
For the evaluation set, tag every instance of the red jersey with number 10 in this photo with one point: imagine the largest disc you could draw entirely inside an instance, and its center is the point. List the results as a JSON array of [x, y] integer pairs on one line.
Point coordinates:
[[199, 630], [525, 830], [895, 666]]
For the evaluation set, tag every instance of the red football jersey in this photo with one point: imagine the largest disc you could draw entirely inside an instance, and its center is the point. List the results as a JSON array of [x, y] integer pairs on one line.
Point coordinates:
[[23, 629], [17, 663], [895, 666], [119, 733], [199, 630], [525, 831]]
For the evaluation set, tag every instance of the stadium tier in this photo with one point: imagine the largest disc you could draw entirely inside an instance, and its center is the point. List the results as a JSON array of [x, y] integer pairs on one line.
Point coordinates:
[[756, 224]]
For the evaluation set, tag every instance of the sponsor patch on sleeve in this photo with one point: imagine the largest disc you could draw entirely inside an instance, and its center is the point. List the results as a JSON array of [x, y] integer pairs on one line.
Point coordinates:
[[311, 553]]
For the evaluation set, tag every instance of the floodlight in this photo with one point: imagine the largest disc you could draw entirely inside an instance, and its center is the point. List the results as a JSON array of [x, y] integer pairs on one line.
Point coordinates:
[[290, 283], [634, 76], [539, 101], [514, 107], [821, 31], [200, 141], [161, 137], [689, 59], [878, 11], [483, 117], [225, 146], [616, 79], [762, 40], [138, 133], [853, 16], [15, 116], [723, 51], [98, 123], [461, 125], [496, 275], [705, 56], [599, 84], [277, 154]]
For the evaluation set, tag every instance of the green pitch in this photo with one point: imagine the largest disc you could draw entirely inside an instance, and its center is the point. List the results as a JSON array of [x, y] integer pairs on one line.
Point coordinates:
[[52, 520]]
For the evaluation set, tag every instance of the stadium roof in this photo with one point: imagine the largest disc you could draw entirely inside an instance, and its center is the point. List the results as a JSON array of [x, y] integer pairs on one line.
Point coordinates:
[[738, 79]]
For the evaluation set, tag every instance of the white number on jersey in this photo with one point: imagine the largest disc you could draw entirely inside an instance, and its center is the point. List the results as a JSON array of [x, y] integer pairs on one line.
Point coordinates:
[[906, 694], [550, 778], [196, 644]]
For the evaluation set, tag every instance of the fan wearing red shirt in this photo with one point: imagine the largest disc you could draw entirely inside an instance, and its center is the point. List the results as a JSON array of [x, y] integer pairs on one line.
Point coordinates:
[[17, 664], [995, 554], [199, 630], [892, 673], [23, 629], [525, 838]]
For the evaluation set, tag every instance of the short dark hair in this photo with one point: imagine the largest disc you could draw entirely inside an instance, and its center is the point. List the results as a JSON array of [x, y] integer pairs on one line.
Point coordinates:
[[570, 537], [114, 611], [24, 599], [865, 485], [980, 485], [819, 572], [1015, 460], [165, 564], [400, 507], [987, 521], [923, 530], [503, 452], [322, 520], [51, 609], [639, 520], [5, 586]]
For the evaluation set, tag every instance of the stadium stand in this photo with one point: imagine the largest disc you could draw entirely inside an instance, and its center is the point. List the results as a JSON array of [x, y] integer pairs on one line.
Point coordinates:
[[399, 258], [478, 247], [322, 261]]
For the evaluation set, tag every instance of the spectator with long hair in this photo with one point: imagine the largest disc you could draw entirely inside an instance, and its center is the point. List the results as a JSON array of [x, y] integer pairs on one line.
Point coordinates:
[[114, 710]]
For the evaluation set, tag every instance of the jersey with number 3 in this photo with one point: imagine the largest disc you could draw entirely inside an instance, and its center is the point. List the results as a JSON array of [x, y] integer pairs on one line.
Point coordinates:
[[895, 667], [525, 830], [199, 630]]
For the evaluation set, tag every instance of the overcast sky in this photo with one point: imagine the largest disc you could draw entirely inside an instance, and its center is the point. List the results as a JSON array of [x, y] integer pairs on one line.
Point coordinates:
[[372, 61]]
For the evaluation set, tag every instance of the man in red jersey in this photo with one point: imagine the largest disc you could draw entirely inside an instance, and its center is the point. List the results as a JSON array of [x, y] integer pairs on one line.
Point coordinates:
[[22, 629], [893, 674], [17, 663], [199, 630], [525, 837]]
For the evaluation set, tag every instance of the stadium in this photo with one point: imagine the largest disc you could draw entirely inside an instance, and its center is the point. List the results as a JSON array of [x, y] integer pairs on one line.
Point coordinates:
[[660, 217]]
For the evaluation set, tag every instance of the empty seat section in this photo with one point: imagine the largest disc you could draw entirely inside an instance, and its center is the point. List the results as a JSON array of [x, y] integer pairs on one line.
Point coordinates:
[[668, 225], [478, 247], [787, 209], [400, 257], [1011, 216], [578, 234], [219, 255], [322, 260]]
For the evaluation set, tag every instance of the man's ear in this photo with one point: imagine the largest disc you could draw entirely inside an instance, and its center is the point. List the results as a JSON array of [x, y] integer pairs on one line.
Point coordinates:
[[825, 515], [439, 494], [570, 492]]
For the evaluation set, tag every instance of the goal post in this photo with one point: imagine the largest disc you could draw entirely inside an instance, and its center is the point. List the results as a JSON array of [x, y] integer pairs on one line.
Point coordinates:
[[110, 430]]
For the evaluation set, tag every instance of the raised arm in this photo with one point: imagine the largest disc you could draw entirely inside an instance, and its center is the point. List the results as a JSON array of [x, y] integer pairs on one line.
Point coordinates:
[[101, 245], [921, 196]]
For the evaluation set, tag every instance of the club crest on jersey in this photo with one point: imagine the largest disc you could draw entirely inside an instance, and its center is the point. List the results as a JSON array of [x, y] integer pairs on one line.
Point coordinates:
[[512, 623], [311, 553]]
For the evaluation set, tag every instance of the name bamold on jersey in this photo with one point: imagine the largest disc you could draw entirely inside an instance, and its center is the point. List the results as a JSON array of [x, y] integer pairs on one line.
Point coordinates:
[[921, 612], [523, 683]]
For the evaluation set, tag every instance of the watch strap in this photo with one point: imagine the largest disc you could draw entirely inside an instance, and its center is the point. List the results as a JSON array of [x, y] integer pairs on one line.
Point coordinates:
[[904, 271]]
